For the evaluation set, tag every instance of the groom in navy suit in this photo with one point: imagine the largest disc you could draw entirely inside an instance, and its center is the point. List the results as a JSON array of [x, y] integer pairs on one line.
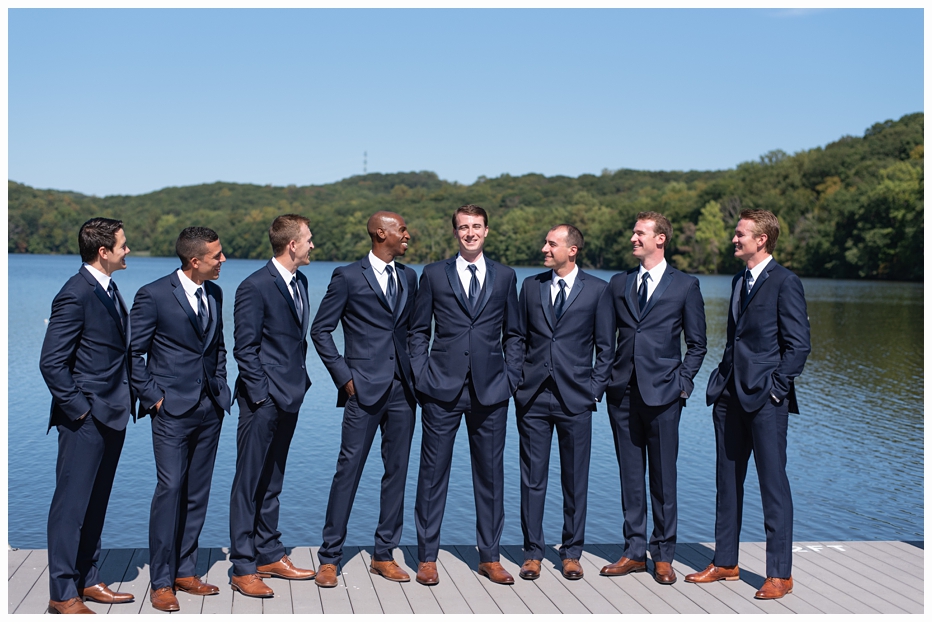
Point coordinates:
[[373, 299], [565, 315], [270, 322], [85, 364], [177, 324], [655, 305], [753, 393], [471, 369]]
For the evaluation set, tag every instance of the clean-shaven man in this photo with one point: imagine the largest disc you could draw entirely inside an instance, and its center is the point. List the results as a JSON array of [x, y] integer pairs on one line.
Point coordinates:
[[656, 306], [565, 316], [270, 323], [753, 393], [85, 364], [373, 299], [177, 324]]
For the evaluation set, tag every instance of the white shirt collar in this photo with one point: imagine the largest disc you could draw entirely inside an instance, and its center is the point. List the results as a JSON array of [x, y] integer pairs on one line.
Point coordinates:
[[757, 269], [569, 278], [101, 278], [190, 287], [285, 274], [462, 264], [378, 265], [656, 273]]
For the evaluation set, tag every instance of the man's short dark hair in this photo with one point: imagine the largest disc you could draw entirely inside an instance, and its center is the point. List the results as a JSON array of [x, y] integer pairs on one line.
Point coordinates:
[[471, 209], [96, 233], [284, 230], [573, 235], [661, 224], [765, 222], [192, 243]]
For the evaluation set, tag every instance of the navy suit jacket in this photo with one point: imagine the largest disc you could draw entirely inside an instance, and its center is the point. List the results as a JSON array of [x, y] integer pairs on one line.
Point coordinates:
[[466, 341], [270, 341], [85, 355], [182, 361], [649, 341], [375, 338], [767, 341], [562, 348]]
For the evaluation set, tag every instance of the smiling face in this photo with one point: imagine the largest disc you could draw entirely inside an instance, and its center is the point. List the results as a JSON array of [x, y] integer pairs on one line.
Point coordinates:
[[647, 244], [557, 253], [115, 259], [471, 232], [749, 247], [395, 232], [207, 265], [303, 246]]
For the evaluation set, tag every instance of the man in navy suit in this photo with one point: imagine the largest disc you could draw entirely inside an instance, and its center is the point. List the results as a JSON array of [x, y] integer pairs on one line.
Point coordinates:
[[654, 306], [85, 364], [177, 324], [753, 393], [565, 315], [270, 322], [473, 304], [373, 299]]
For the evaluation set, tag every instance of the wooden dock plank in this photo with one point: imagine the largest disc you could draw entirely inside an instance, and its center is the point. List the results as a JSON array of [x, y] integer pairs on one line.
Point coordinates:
[[189, 603], [14, 558], [37, 600], [636, 589], [504, 595], [446, 593], [219, 570], [421, 599], [707, 602], [135, 581], [909, 559], [581, 589], [613, 591], [467, 582], [534, 593], [335, 599], [736, 595], [803, 598], [25, 579], [358, 581], [305, 595], [111, 569], [391, 595]]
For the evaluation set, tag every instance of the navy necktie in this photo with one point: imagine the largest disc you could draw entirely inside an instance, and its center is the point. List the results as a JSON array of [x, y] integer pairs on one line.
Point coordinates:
[[202, 315], [298, 305], [560, 302], [391, 289], [748, 279], [474, 288], [113, 292], [642, 292]]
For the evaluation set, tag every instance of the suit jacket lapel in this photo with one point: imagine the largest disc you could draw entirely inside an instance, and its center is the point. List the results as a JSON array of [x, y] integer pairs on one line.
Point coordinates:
[[545, 303], [661, 287], [574, 292], [212, 321], [104, 297], [182, 299], [402, 298], [737, 286], [631, 296], [124, 321], [486, 288], [369, 275], [283, 288], [306, 314], [757, 283], [457, 286]]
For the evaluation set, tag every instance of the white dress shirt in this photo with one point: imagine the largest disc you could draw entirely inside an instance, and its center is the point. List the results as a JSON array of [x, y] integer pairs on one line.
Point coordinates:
[[466, 276], [101, 278], [756, 270], [190, 287], [655, 275], [569, 279], [378, 266], [286, 276]]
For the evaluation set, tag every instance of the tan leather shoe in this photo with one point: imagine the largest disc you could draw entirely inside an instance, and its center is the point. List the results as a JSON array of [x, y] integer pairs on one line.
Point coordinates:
[[775, 588], [572, 570], [427, 573], [100, 593], [389, 570], [530, 570], [496, 573], [663, 573], [284, 568], [326, 575], [623, 566], [163, 599], [72, 605], [194, 585], [251, 585], [714, 573]]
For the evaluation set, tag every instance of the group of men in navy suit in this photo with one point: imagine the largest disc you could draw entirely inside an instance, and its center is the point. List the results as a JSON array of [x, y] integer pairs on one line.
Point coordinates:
[[460, 342]]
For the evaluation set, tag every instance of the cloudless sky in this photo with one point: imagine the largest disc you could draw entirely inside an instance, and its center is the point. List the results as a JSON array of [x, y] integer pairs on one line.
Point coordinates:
[[110, 102]]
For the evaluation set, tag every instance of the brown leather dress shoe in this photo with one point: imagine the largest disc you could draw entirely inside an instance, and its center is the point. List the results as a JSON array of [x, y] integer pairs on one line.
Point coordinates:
[[284, 568], [72, 605], [389, 570], [775, 588], [530, 570], [164, 599], [100, 593], [572, 570], [194, 585], [714, 573], [496, 573], [251, 585], [663, 573], [623, 566], [427, 573], [326, 575]]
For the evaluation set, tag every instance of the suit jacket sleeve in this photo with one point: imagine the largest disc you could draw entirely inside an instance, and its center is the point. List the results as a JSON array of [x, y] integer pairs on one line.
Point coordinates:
[[512, 335], [62, 336], [419, 331], [248, 311], [522, 325], [328, 315], [143, 319], [793, 335], [221, 345], [604, 343], [694, 332]]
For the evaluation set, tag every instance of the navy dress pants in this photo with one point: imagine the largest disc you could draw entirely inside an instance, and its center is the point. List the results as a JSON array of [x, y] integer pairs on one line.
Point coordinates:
[[88, 452]]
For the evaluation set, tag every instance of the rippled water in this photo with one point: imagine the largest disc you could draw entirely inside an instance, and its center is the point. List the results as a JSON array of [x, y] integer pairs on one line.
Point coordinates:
[[855, 452]]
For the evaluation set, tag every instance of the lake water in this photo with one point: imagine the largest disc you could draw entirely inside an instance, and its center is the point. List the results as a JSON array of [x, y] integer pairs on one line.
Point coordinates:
[[855, 453]]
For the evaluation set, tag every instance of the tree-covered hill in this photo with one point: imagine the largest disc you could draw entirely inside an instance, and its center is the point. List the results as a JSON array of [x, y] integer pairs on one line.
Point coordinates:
[[852, 209]]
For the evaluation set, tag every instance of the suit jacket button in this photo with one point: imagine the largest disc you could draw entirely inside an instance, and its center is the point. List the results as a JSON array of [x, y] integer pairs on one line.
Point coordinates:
[[639, 330], [391, 357], [737, 338], [198, 380], [553, 339], [124, 381], [466, 353]]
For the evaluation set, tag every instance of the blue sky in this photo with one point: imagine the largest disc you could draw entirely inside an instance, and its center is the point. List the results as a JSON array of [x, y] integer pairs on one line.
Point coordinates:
[[129, 101]]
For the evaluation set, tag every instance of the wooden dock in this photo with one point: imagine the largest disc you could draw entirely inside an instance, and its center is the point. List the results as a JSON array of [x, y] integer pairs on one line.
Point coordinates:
[[829, 577]]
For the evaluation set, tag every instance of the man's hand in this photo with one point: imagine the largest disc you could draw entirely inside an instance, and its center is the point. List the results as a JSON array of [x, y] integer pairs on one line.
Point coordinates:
[[349, 388], [158, 405]]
